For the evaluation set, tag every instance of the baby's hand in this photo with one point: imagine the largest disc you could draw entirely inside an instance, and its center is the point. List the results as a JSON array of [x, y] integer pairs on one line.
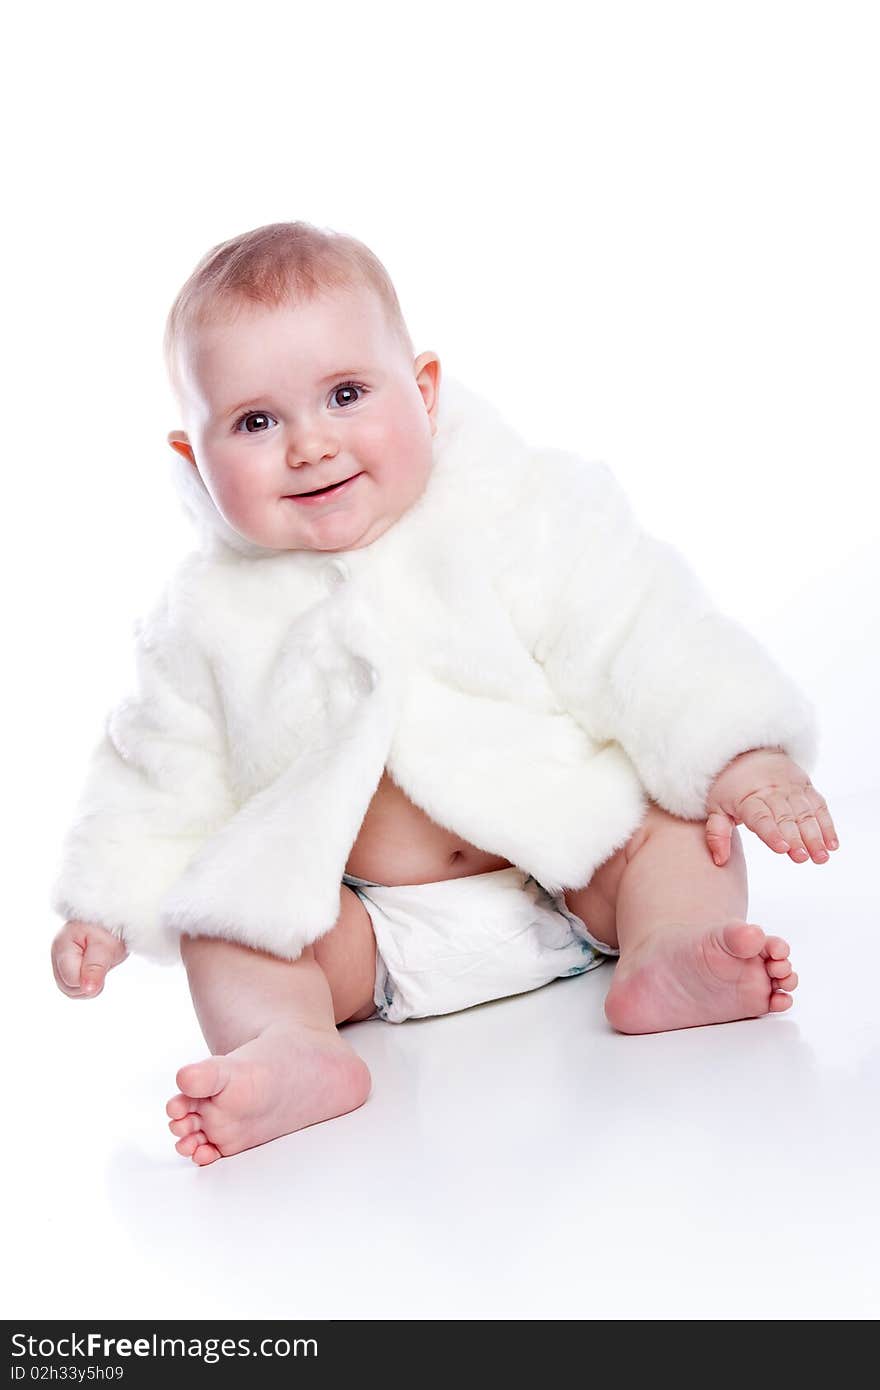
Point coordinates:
[[766, 791], [81, 956]]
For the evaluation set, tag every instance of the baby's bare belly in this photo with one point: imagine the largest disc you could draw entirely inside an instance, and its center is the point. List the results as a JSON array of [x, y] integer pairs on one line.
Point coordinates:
[[397, 843]]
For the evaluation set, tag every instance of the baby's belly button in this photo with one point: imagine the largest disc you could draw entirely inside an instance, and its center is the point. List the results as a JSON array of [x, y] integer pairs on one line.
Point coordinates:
[[417, 859], [399, 843]]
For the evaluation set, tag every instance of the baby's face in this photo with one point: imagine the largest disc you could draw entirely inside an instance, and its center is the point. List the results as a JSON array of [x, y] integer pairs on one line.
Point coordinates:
[[283, 402]]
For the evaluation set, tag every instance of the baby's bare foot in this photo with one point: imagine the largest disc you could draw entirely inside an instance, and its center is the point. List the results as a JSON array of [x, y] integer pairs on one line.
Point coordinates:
[[686, 976], [287, 1078]]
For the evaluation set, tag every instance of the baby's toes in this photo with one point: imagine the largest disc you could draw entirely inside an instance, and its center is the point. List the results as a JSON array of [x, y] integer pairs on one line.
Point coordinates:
[[780, 1001], [186, 1125], [778, 969], [788, 982], [204, 1078], [190, 1142], [206, 1153], [775, 948], [178, 1106]]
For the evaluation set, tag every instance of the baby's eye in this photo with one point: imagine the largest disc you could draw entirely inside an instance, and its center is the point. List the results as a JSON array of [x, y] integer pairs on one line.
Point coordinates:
[[256, 415], [346, 388]]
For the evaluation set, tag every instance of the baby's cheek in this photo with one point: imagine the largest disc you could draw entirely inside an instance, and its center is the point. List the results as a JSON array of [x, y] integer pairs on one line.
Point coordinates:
[[240, 497], [397, 453], [412, 457], [402, 486]]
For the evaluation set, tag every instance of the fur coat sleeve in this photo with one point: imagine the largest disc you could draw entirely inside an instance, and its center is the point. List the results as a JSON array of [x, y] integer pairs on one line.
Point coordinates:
[[156, 786], [638, 652]]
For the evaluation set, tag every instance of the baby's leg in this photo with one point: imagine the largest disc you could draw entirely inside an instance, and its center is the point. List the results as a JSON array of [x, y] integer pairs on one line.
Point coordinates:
[[687, 955], [278, 1063]]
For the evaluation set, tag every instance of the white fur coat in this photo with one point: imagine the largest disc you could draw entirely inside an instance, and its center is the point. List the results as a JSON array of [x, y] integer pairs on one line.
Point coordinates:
[[525, 661]]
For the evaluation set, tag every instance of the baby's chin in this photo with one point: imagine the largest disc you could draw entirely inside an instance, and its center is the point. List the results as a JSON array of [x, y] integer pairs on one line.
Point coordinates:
[[355, 538], [344, 525], [324, 534]]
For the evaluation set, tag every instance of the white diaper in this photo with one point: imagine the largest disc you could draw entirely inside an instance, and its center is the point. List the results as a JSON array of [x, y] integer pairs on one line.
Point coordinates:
[[445, 946]]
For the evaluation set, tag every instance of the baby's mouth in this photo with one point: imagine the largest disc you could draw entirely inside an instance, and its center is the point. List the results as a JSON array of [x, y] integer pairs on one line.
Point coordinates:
[[323, 491]]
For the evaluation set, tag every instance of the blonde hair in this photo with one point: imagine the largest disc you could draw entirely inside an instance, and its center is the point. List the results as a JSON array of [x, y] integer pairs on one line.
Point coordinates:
[[275, 265]]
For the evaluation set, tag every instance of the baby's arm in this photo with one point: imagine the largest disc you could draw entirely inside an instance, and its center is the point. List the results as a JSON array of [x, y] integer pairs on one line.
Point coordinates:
[[81, 956], [637, 651], [156, 788]]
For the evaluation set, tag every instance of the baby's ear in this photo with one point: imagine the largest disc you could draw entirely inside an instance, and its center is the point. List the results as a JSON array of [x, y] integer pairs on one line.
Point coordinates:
[[178, 441]]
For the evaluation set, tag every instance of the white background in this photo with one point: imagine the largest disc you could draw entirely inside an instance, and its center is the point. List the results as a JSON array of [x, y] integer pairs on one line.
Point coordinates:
[[647, 232]]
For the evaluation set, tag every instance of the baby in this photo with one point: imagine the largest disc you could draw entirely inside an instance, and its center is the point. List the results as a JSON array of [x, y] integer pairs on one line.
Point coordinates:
[[408, 688]]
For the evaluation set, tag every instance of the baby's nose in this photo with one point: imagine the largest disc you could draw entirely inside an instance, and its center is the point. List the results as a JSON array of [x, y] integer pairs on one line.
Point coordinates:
[[310, 444]]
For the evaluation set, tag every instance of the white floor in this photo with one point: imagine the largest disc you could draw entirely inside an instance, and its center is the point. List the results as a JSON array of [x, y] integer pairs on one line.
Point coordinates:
[[516, 1160]]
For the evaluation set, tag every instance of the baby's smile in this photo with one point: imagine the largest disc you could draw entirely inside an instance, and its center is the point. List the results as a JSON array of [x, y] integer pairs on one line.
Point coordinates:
[[321, 494]]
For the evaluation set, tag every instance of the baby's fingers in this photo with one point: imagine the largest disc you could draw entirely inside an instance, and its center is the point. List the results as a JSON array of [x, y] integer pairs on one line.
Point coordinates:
[[758, 816], [823, 816], [66, 966], [719, 829], [98, 957], [797, 821]]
